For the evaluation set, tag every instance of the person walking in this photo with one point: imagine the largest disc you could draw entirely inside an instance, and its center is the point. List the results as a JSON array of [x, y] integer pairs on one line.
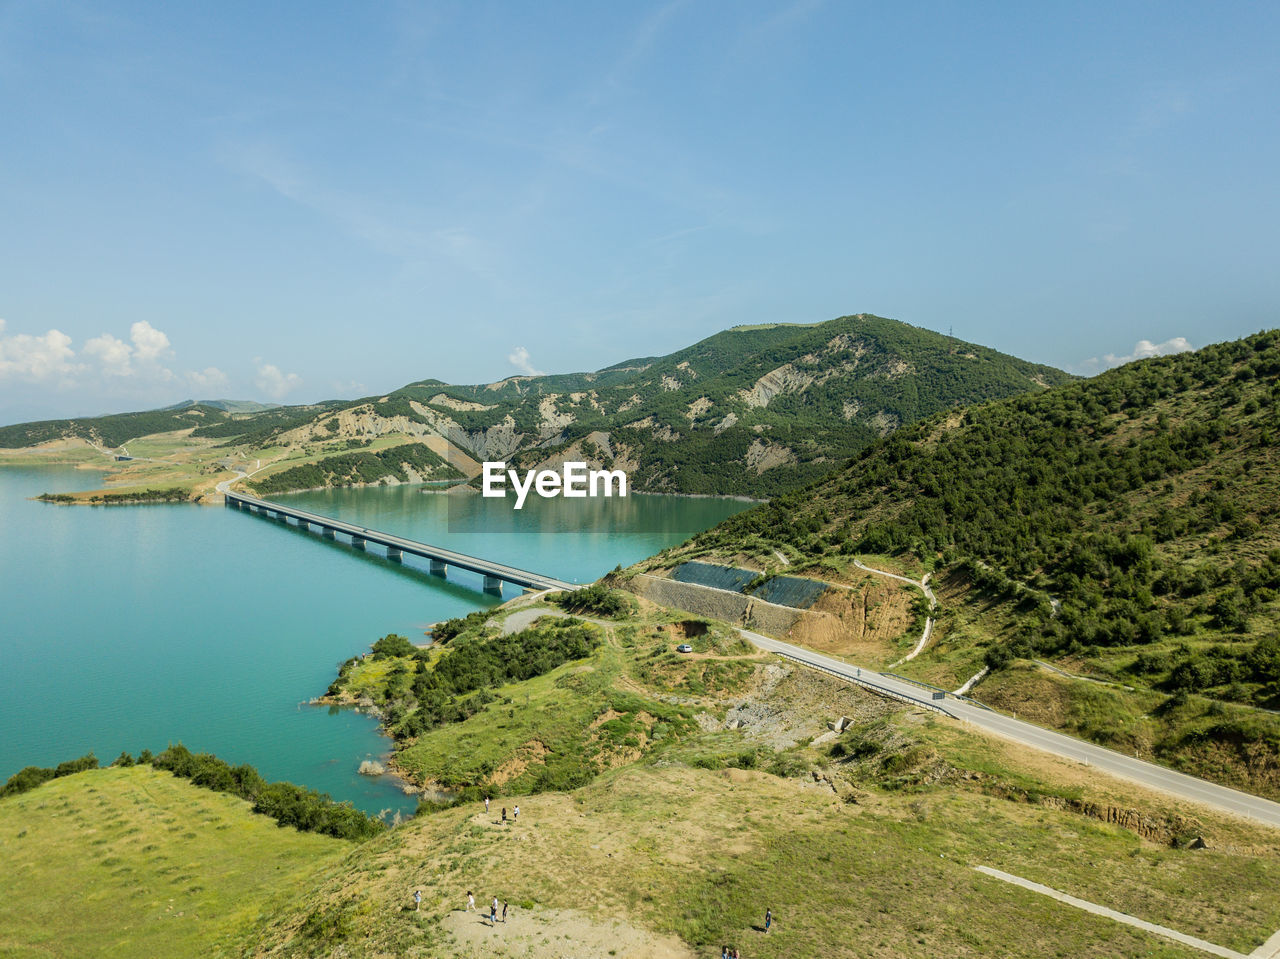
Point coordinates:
[[471, 901], [504, 910], [486, 805], [768, 919], [417, 900], [493, 912], [504, 815], [516, 813]]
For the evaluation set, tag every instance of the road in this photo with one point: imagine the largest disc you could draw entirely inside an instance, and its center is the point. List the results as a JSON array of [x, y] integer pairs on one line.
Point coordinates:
[[1116, 764], [475, 564]]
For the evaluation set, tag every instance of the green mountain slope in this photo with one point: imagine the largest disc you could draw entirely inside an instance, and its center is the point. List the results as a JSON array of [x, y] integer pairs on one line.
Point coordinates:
[[752, 410], [135, 862], [1126, 527]]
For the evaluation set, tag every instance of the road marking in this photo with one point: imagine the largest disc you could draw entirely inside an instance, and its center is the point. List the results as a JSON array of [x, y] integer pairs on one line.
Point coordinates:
[[1124, 918]]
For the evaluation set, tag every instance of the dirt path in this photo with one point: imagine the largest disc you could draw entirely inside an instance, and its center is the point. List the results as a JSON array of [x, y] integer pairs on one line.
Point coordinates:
[[554, 934], [923, 586]]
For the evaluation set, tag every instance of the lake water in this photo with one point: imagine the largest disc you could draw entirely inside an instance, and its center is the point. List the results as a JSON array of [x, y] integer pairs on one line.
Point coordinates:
[[132, 627]]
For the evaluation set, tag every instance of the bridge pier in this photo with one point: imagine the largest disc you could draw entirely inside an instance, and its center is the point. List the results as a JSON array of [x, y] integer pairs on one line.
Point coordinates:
[[493, 575]]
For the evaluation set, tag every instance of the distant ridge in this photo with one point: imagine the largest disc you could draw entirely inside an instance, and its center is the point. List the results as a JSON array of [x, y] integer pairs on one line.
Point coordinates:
[[228, 406], [751, 411]]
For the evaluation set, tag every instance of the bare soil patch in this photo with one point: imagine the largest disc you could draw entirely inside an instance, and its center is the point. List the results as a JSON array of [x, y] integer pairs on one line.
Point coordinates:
[[531, 752], [555, 934], [862, 621]]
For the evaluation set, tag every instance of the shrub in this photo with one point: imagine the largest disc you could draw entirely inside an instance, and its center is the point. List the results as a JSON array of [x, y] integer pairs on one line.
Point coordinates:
[[32, 776], [596, 598], [393, 644], [290, 805]]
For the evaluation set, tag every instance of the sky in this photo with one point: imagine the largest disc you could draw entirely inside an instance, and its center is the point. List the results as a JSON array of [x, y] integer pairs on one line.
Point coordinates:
[[291, 202]]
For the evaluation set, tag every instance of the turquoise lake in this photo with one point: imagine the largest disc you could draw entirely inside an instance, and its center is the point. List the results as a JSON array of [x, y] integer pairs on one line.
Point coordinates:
[[132, 627]]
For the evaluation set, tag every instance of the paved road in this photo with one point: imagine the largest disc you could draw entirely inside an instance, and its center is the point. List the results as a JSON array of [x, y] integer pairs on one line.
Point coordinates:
[[1125, 767]]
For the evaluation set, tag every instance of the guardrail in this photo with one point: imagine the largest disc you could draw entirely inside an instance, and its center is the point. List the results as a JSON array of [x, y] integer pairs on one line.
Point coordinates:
[[939, 689], [867, 684]]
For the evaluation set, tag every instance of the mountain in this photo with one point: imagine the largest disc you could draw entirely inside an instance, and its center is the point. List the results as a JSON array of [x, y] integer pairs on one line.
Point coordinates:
[[753, 410], [1125, 528], [227, 406]]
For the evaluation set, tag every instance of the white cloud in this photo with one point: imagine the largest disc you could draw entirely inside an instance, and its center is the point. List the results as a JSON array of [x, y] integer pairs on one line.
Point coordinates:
[[149, 343], [1142, 350], [113, 356], [273, 382], [519, 358], [208, 380], [36, 358], [349, 388]]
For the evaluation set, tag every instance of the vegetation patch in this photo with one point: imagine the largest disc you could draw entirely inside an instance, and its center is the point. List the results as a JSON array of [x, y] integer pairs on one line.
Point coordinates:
[[1125, 528], [349, 469], [125, 862]]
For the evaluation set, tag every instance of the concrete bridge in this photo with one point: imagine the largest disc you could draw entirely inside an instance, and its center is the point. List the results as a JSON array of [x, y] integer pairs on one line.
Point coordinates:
[[495, 574]]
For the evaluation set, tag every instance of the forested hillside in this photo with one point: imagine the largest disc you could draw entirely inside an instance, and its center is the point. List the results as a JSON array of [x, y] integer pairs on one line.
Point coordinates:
[[1128, 526], [752, 410]]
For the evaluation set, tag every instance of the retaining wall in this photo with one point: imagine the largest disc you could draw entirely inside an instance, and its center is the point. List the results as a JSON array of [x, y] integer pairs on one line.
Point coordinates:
[[716, 604]]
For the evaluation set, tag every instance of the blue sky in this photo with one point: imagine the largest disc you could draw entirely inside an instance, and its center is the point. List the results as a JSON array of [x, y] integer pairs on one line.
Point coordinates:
[[313, 200]]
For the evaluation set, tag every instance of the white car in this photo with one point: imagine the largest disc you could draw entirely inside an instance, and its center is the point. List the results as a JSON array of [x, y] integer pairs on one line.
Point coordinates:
[[684, 648]]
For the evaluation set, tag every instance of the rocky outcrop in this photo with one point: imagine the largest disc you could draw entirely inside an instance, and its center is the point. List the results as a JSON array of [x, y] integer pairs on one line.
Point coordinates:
[[495, 443], [765, 456], [443, 399], [553, 420], [1165, 830], [785, 379]]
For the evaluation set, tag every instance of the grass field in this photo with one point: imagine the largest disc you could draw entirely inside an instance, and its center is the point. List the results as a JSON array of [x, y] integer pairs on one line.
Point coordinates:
[[702, 853], [134, 862], [682, 831]]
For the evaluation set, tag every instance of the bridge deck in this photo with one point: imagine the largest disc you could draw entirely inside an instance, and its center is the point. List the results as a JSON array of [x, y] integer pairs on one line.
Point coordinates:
[[508, 574]]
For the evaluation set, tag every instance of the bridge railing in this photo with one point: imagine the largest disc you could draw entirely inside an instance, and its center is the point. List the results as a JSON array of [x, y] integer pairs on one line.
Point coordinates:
[[474, 564]]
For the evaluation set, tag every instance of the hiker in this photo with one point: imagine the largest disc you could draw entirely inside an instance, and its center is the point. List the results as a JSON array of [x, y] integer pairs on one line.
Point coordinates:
[[516, 814], [471, 901], [768, 919], [417, 900], [504, 910], [493, 912], [504, 815], [724, 952], [486, 805]]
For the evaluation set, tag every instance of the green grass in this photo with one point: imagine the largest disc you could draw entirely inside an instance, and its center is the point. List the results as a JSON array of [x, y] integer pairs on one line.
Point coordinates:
[[552, 731], [702, 853], [540, 733], [678, 841], [134, 862]]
